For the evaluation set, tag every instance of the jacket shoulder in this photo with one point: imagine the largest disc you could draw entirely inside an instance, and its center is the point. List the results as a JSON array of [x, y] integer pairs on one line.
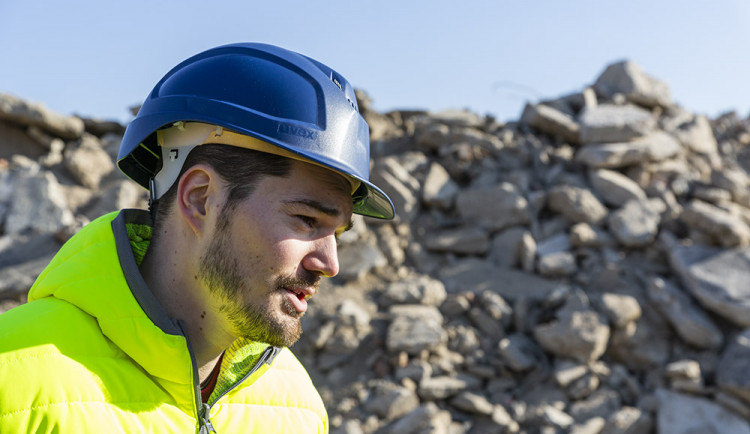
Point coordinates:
[[282, 400], [58, 370]]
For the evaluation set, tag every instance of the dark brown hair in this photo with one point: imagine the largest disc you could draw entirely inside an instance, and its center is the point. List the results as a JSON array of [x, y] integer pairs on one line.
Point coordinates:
[[240, 168]]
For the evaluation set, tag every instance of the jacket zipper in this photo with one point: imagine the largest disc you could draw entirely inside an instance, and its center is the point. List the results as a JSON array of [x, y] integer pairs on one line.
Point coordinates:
[[205, 425]]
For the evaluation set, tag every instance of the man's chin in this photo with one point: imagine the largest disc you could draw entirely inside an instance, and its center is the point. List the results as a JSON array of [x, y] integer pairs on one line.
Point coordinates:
[[279, 332]]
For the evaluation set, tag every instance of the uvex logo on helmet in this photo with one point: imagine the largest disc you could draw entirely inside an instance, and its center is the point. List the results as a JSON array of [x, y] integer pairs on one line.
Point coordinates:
[[297, 131]]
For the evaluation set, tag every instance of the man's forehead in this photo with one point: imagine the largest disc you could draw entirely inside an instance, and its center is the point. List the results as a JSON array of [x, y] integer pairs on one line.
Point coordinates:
[[329, 178]]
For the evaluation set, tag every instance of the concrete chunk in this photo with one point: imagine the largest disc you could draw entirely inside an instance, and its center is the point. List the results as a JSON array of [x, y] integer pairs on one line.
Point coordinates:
[[613, 123]]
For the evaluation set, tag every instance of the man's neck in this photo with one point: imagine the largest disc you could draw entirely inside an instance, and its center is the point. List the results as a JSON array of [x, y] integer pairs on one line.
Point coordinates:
[[176, 286]]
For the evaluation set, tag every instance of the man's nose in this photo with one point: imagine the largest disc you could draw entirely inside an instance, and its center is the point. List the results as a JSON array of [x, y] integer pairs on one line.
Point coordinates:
[[323, 259]]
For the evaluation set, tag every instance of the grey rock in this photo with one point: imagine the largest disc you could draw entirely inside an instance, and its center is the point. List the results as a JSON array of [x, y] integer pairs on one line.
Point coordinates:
[[416, 371], [349, 426], [556, 244], [711, 194], [527, 252], [458, 118], [494, 304], [390, 401], [641, 345], [628, 79], [621, 309], [581, 335], [503, 421], [463, 241], [439, 190], [38, 205], [583, 387], [685, 376], [442, 387], [392, 242], [493, 208], [399, 185], [688, 320], [18, 278], [505, 248], [602, 403], [15, 141], [556, 417], [100, 127], [472, 403], [658, 146], [584, 235], [351, 314], [116, 196], [615, 188], [519, 352], [431, 135], [612, 123], [628, 420], [684, 369], [463, 339], [356, 260], [41, 137], [551, 121], [28, 114], [6, 193], [415, 328], [733, 403], [456, 304], [420, 289], [726, 229], [717, 278], [636, 224], [732, 375], [679, 414], [698, 136], [557, 264], [567, 372], [18, 249], [474, 275], [735, 181], [87, 161], [576, 204], [111, 144], [591, 426], [490, 327], [427, 418]]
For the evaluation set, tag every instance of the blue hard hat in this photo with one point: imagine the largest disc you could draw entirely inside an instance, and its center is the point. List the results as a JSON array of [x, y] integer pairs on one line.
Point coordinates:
[[266, 92]]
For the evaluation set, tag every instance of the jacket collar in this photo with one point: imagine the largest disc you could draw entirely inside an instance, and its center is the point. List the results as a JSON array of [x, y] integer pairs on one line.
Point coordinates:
[[97, 272]]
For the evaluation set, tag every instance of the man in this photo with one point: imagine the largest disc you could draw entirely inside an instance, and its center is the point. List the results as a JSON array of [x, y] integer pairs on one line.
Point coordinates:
[[255, 158]]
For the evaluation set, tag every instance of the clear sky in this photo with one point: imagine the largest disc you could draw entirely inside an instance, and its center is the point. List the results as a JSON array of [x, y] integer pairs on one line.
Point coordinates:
[[99, 57]]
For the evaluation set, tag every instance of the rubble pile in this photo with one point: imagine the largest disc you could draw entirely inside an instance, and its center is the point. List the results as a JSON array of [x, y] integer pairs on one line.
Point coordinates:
[[582, 270]]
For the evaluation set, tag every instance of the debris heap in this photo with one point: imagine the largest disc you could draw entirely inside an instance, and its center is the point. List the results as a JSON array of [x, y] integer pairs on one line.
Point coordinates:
[[582, 270]]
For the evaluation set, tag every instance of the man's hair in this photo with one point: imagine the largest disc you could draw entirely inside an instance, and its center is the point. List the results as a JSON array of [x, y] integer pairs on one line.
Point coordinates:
[[240, 168]]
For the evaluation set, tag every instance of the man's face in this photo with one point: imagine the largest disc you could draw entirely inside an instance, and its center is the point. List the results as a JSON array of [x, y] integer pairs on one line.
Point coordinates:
[[267, 255]]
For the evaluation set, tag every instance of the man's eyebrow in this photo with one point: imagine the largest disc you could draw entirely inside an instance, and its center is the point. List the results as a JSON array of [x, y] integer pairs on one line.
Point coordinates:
[[314, 204]]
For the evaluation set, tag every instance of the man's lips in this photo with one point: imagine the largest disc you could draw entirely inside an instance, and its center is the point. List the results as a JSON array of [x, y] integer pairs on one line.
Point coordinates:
[[299, 297]]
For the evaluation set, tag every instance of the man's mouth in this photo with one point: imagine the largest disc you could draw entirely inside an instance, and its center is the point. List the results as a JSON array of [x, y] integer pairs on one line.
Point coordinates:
[[299, 297], [302, 294]]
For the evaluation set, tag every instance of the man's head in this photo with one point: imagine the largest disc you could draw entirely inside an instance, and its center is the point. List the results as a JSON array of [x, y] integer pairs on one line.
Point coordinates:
[[259, 253], [260, 155]]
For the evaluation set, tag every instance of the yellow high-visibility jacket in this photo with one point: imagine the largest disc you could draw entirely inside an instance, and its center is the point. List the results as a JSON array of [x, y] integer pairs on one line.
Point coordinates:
[[93, 351]]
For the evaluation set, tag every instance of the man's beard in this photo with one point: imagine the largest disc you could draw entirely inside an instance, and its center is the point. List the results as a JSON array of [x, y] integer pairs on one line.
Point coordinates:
[[255, 320]]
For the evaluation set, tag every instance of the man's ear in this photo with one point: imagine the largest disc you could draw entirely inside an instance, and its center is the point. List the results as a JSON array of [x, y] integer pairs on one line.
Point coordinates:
[[197, 188]]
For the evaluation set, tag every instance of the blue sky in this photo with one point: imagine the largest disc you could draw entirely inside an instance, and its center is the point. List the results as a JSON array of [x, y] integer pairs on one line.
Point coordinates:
[[97, 58]]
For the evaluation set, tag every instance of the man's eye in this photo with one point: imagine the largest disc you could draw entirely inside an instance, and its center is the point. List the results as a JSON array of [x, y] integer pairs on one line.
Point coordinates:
[[307, 220]]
